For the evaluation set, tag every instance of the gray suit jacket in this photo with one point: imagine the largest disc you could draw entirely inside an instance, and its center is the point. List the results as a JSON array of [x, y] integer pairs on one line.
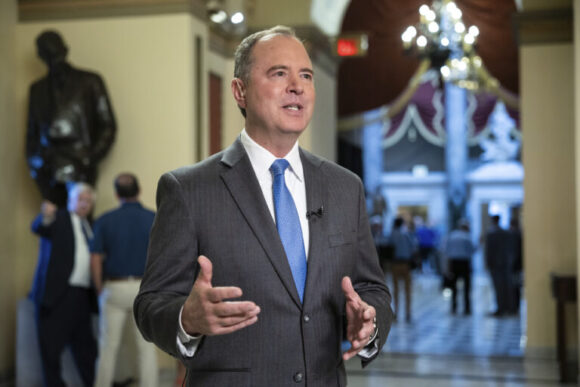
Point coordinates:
[[216, 208]]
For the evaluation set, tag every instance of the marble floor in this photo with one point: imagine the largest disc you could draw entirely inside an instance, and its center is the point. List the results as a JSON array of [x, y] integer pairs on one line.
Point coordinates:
[[438, 349]]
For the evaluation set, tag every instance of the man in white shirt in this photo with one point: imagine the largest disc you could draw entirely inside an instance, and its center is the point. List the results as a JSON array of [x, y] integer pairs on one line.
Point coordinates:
[[64, 297], [261, 259]]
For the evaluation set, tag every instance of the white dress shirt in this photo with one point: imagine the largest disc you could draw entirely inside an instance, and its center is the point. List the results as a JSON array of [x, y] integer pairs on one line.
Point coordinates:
[[81, 273], [261, 160]]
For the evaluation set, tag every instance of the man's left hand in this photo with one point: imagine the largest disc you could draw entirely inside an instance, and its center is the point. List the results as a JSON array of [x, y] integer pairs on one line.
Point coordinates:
[[359, 316]]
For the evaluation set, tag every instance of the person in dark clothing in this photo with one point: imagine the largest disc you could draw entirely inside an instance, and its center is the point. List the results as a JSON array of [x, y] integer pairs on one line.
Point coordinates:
[[518, 265], [62, 291], [270, 222], [403, 250], [459, 250], [427, 242], [499, 260]]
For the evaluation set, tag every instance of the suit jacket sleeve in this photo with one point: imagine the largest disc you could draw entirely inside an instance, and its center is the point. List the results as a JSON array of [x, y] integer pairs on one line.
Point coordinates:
[[46, 230], [171, 267], [368, 279]]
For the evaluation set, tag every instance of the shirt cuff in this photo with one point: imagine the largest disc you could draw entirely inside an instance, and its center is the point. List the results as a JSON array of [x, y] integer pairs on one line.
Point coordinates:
[[372, 347], [186, 343]]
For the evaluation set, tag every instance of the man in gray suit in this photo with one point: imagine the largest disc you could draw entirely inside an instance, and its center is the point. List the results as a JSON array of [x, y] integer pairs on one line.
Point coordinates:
[[255, 278]]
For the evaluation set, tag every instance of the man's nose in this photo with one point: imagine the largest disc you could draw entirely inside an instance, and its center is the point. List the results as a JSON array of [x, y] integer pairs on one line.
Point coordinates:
[[294, 85]]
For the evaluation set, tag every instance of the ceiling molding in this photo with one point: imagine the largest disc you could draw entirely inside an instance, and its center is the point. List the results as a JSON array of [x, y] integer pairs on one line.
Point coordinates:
[[40, 10], [544, 26]]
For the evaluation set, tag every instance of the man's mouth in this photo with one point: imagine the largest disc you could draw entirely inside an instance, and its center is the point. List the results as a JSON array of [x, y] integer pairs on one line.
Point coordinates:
[[294, 107]]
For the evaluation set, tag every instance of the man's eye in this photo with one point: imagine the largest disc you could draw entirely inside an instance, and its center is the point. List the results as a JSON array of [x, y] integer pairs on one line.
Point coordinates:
[[307, 76], [279, 73]]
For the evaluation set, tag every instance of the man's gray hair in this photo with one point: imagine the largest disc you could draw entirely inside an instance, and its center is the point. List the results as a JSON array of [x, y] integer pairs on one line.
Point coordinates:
[[75, 189], [243, 54]]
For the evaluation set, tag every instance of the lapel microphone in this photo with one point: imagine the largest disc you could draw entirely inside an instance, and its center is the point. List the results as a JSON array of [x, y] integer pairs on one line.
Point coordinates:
[[318, 212]]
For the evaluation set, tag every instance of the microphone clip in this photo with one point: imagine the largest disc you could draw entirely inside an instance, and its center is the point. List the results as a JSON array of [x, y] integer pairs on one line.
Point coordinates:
[[318, 213]]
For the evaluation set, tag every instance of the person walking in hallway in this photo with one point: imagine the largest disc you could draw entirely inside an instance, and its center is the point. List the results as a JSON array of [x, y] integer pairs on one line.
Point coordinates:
[[404, 248], [459, 250], [499, 260], [62, 290], [261, 260], [119, 252]]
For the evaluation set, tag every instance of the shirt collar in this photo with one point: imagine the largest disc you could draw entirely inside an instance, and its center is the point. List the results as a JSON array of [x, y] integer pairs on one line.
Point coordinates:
[[262, 159], [131, 204]]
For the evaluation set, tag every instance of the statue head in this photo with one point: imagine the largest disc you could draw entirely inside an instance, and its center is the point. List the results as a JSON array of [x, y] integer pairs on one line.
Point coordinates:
[[51, 48]]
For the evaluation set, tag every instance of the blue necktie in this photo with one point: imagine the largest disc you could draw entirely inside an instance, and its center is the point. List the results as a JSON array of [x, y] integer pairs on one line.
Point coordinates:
[[288, 225]]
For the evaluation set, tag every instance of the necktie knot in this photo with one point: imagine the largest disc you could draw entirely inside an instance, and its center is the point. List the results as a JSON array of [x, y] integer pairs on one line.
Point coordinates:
[[279, 166]]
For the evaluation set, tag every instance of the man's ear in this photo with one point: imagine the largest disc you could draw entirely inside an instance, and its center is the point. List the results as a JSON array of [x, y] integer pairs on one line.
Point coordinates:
[[239, 92]]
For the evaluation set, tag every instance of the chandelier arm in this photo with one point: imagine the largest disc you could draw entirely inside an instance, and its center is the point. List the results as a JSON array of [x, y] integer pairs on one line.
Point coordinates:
[[402, 101], [493, 85]]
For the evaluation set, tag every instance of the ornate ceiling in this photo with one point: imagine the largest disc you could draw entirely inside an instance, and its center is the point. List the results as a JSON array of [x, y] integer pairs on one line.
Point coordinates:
[[365, 83]]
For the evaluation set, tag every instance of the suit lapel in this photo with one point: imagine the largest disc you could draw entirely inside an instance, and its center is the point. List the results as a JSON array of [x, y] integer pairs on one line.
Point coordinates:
[[243, 185], [315, 193]]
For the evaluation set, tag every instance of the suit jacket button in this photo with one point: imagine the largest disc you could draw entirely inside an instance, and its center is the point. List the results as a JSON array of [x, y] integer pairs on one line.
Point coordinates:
[[298, 377], [306, 318]]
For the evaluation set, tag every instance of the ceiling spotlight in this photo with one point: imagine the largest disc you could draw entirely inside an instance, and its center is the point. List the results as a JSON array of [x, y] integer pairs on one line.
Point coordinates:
[[217, 16], [237, 18]]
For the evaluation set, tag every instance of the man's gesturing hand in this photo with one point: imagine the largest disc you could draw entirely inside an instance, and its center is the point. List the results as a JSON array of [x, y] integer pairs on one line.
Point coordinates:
[[205, 311], [359, 316]]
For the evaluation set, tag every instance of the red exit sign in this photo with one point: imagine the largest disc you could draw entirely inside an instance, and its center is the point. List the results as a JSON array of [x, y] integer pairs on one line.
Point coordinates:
[[351, 45]]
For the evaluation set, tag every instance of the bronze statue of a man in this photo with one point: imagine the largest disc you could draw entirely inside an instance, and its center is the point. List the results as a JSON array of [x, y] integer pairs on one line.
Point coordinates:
[[71, 125]]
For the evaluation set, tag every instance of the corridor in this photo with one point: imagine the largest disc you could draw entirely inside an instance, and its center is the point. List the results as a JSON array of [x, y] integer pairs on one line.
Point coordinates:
[[438, 349]]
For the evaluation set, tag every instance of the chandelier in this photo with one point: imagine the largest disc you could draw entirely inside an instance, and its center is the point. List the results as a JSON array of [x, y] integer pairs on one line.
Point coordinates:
[[443, 39]]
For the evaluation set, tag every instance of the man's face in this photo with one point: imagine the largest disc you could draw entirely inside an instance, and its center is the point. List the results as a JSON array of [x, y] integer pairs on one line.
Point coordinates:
[[81, 204], [279, 96]]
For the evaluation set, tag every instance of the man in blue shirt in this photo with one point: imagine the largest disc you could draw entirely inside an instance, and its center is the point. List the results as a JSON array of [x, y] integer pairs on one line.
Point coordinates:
[[118, 256], [404, 248], [458, 250]]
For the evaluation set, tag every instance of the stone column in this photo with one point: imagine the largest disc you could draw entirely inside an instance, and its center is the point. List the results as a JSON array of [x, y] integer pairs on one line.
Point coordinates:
[[456, 150]]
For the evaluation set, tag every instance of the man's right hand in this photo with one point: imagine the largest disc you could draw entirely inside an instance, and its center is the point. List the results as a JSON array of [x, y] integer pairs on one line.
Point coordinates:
[[48, 211], [205, 312]]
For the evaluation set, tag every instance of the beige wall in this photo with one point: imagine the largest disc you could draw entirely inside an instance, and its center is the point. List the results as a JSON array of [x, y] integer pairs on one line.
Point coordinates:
[[9, 134], [547, 114], [266, 13], [321, 134]]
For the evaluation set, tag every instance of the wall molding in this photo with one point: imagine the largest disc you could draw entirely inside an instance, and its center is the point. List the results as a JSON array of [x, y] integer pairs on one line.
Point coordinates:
[[40, 10], [544, 26]]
